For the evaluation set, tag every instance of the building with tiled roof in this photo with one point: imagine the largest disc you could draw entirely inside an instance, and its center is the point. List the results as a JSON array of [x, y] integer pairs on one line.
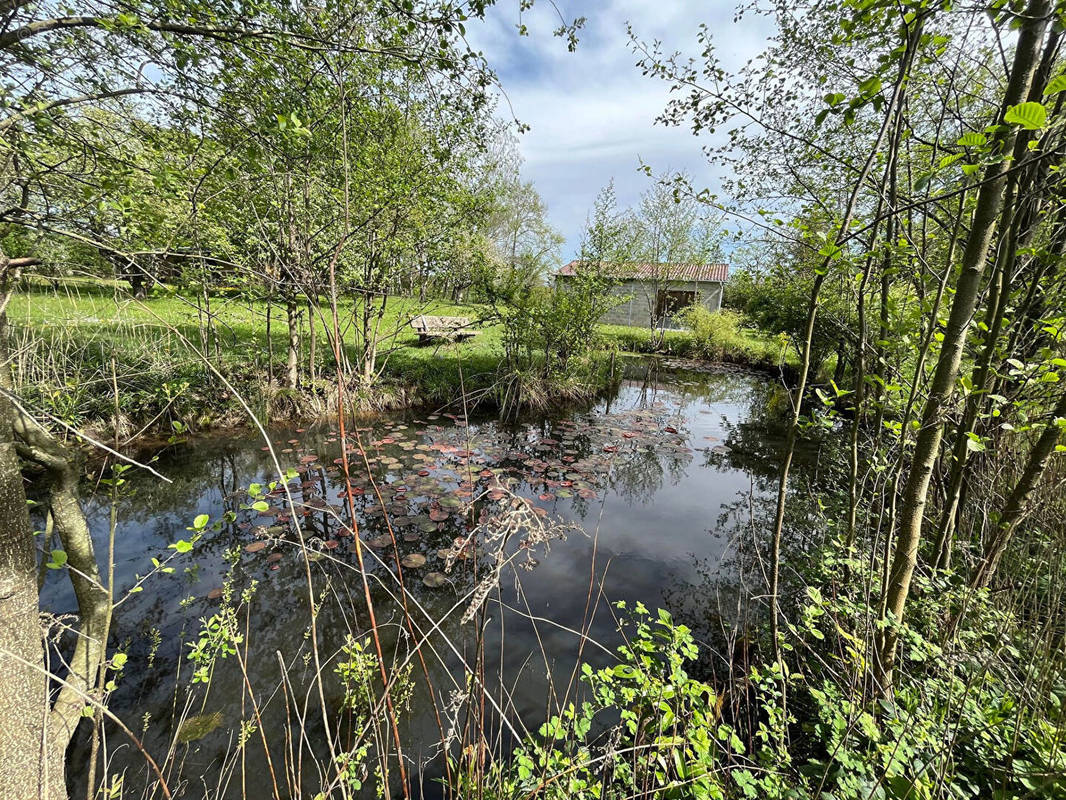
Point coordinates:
[[650, 294]]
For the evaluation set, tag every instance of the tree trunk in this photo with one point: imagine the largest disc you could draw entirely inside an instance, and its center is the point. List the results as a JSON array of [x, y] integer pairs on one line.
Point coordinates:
[[29, 767], [931, 432], [312, 335], [292, 364], [1015, 508]]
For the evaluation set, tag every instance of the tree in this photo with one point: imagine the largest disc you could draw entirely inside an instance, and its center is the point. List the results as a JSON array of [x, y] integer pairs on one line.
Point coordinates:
[[115, 119]]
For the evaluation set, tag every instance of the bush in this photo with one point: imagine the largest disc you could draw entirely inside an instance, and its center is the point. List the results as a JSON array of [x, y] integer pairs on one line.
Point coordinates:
[[716, 335]]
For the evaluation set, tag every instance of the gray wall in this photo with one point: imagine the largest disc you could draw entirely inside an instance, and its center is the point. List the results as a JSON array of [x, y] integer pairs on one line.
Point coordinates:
[[640, 307]]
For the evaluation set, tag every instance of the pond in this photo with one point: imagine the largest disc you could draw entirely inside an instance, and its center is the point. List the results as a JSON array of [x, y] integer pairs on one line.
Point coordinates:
[[527, 531]]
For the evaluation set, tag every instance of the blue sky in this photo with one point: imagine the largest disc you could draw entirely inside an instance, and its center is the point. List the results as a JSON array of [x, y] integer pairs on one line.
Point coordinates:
[[592, 113]]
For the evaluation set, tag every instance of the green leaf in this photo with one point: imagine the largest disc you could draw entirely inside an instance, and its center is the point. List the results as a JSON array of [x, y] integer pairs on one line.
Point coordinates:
[[870, 85], [59, 558], [1031, 116], [181, 546], [260, 506], [1055, 85], [201, 522], [972, 139]]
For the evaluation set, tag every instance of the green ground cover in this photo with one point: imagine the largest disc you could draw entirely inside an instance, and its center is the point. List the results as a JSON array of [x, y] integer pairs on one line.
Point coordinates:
[[74, 341]]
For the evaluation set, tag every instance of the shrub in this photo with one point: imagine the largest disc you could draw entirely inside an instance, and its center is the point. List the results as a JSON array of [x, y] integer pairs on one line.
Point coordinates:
[[716, 335]]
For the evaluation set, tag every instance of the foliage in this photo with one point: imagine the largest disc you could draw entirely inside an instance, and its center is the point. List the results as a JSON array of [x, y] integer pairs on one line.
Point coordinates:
[[715, 334], [647, 727]]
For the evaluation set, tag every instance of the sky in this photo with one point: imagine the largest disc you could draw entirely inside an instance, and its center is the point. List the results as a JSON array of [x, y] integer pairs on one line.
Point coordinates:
[[591, 112]]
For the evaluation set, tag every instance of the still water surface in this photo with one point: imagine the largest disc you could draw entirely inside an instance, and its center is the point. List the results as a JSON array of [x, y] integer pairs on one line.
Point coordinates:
[[669, 482]]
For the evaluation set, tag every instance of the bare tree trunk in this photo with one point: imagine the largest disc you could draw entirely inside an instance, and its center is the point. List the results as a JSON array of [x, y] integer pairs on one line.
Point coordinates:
[[931, 432], [270, 344], [1015, 508], [28, 766], [34, 736], [292, 364], [312, 335]]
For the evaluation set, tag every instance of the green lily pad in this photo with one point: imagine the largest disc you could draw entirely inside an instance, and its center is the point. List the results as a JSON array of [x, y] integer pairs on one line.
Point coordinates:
[[198, 727]]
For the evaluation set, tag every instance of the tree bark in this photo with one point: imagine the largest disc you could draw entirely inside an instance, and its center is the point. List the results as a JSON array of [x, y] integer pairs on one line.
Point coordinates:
[[292, 364], [931, 432], [1016, 506], [28, 766]]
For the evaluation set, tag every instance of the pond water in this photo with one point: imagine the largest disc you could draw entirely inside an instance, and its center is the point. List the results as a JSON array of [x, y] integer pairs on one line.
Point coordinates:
[[531, 530]]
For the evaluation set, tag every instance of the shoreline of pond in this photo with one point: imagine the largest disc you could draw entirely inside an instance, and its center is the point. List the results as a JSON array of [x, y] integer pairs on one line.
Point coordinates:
[[311, 405]]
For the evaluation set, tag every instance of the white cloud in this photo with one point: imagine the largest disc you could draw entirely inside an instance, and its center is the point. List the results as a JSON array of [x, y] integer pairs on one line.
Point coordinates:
[[592, 113]]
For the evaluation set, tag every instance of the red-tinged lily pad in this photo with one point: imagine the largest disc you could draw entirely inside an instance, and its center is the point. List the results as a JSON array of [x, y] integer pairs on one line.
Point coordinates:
[[308, 459], [413, 561], [546, 496], [438, 514], [331, 544], [255, 547], [670, 429], [610, 448], [380, 542], [273, 558], [214, 594]]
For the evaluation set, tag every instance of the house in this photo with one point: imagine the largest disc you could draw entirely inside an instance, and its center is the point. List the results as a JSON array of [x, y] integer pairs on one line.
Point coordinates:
[[653, 293]]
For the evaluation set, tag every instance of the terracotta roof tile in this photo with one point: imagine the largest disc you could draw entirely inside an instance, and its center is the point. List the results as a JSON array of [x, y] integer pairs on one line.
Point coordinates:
[[644, 270]]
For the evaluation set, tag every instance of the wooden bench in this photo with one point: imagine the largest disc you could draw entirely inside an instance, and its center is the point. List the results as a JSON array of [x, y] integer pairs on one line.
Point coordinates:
[[454, 329]]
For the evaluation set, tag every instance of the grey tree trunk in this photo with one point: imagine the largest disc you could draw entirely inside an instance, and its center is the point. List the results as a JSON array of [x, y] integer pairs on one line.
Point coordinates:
[[292, 363], [28, 767], [1016, 506], [931, 432]]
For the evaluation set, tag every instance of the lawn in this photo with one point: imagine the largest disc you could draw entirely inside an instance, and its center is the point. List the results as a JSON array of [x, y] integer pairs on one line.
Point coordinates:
[[64, 343], [71, 345]]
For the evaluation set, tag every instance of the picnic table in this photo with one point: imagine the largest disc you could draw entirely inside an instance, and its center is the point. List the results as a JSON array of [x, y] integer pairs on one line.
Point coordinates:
[[454, 329]]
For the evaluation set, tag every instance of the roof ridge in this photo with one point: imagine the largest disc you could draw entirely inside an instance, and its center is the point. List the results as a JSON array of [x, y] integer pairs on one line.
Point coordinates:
[[710, 272]]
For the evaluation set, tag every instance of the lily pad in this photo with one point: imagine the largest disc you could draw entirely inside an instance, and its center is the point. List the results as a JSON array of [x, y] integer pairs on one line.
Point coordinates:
[[435, 580], [198, 727], [413, 560]]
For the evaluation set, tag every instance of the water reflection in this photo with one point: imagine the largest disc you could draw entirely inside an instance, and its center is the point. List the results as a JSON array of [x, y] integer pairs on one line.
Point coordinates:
[[670, 480]]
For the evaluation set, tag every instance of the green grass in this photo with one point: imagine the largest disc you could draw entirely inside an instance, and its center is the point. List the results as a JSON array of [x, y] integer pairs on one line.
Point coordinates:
[[745, 346], [64, 343], [70, 346]]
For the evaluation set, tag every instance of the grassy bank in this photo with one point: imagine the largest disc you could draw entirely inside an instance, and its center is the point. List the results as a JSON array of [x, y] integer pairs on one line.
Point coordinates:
[[729, 343], [84, 350]]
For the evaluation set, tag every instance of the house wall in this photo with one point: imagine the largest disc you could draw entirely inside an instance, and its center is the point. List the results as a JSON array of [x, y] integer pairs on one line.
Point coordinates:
[[639, 309]]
